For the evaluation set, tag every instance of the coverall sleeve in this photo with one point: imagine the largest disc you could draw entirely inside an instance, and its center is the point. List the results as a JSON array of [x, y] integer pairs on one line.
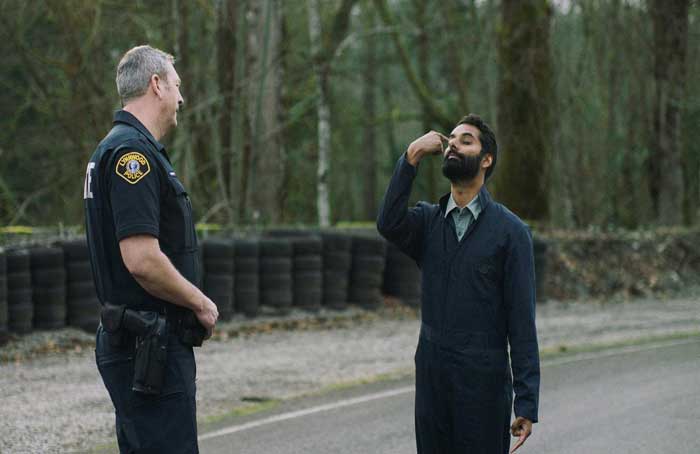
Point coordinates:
[[396, 222], [134, 192], [522, 334]]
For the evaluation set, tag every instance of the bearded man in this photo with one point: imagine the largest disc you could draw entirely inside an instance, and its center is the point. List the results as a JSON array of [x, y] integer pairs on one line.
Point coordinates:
[[478, 297]]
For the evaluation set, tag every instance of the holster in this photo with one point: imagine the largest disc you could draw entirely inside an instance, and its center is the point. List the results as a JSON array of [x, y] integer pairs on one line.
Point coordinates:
[[151, 334]]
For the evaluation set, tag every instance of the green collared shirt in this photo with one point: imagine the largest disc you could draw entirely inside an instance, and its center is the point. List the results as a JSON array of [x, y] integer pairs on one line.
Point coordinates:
[[463, 217]]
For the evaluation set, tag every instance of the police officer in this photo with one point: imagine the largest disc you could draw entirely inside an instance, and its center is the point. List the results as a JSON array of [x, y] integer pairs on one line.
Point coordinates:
[[478, 295], [143, 249]]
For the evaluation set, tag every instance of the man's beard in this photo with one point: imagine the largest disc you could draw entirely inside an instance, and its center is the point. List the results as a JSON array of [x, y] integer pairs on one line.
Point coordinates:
[[461, 169]]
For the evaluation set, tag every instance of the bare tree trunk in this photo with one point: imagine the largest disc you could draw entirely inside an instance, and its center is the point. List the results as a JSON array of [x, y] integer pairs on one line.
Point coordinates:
[[524, 126], [267, 155], [420, 8], [323, 48], [281, 106], [252, 11], [226, 35], [370, 127], [670, 23], [324, 114]]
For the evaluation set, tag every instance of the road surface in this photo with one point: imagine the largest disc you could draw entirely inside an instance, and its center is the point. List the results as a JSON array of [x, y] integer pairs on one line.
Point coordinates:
[[640, 400]]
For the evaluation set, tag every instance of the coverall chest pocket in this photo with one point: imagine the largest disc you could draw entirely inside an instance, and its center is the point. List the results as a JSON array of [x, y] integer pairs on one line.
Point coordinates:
[[185, 208], [487, 273]]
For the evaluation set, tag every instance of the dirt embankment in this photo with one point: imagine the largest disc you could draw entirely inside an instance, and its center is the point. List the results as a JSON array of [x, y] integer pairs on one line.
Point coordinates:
[[620, 265]]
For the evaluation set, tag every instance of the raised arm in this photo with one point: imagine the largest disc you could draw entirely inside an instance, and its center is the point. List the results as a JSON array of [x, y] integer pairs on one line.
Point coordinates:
[[396, 222]]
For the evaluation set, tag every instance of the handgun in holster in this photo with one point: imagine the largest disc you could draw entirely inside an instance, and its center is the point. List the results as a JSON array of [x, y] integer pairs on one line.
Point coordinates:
[[151, 334]]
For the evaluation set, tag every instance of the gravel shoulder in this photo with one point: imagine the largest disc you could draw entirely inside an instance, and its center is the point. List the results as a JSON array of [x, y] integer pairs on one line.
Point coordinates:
[[54, 401]]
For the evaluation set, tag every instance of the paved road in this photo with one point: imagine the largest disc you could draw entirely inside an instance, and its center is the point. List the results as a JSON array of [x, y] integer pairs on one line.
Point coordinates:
[[636, 400]]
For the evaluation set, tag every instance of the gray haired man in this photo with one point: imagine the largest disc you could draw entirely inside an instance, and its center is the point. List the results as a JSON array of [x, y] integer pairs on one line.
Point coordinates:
[[143, 249]]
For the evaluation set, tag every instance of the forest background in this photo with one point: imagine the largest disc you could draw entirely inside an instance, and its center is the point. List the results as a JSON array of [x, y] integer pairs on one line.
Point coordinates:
[[297, 110]]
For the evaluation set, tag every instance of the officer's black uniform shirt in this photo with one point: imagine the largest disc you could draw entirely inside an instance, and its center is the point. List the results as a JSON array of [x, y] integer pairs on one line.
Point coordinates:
[[131, 188]]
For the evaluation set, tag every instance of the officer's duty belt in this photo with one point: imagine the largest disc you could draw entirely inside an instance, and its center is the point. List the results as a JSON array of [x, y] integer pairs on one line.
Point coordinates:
[[476, 339]]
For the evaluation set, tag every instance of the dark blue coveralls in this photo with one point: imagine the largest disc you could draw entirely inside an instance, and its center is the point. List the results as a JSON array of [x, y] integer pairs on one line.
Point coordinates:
[[131, 188], [478, 295]]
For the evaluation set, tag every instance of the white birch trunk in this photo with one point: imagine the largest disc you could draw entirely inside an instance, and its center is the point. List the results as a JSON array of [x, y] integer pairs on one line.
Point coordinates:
[[324, 115]]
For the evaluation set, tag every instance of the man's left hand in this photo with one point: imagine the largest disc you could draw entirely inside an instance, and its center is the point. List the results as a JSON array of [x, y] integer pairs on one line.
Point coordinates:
[[521, 428]]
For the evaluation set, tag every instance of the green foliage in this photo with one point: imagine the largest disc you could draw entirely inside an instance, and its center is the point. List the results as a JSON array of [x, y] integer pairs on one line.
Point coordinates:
[[57, 79]]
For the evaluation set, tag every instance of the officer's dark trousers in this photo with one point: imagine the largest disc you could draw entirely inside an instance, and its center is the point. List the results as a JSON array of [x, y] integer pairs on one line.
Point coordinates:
[[463, 399], [151, 424]]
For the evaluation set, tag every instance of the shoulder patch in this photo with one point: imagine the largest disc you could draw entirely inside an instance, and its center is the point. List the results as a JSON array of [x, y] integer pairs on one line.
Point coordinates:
[[132, 167]]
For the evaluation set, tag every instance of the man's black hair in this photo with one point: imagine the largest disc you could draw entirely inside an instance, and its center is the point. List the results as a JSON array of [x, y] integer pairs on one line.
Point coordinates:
[[486, 137]]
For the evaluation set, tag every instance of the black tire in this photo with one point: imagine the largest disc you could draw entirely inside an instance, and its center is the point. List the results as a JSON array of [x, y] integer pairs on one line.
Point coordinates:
[[79, 271], [336, 304], [308, 300], [84, 314], [3, 288], [217, 248], [308, 263], [246, 247], [49, 296], [366, 245], [225, 306], [46, 257], [48, 277], [276, 297], [275, 247], [336, 278], [311, 245], [3, 303], [219, 265], [247, 281], [276, 282], [366, 280], [49, 308], [276, 265], [288, 233], [218, 284], [17, 261], [247, 265], [308, 279], [336, 242], [247, 302], [80, 290], [3, 263], [76, 250], [368, 264], [20, 313], [19, 280], [367, 298], [337, 261]]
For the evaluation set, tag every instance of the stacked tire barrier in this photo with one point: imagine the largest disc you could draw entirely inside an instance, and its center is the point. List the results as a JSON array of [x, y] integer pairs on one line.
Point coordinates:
[[308, 272], [82, 305], [218, 258], [337, 259], [247, 280], [20, 308], [48, 287], [540, 255], [402, 277], [276, 290], [3, 295], [366, 275]]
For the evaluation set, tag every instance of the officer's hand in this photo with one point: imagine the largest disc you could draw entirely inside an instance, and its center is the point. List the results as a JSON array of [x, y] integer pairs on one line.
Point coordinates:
[[207, 315], [430, 143], [521, 428]]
